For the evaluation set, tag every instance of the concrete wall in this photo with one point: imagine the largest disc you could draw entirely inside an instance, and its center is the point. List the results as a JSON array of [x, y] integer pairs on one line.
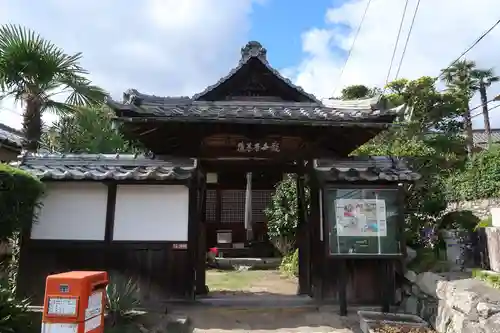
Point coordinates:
[[459, 306]]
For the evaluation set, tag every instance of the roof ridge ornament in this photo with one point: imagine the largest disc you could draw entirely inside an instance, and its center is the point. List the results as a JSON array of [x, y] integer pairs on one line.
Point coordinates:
[[253, 49]]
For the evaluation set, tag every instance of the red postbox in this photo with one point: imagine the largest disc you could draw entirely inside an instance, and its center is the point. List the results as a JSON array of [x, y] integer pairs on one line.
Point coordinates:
[[74, 302]]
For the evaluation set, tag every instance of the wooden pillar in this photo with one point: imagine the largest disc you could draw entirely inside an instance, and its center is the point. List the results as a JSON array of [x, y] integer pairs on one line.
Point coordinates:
[[303, 236], [386, 283], [317, 250], [201, 288], [110, 224], [342, 286], [193, 231]]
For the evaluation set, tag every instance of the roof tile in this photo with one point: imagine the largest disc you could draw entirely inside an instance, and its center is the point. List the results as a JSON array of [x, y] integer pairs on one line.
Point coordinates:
[[252, 111], [104, 167], [379, 168], [10, 136]]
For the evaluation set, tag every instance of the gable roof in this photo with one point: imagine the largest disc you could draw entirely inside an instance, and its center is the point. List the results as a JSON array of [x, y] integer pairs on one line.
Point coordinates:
[[253, 50], [10, 137], [139, 107]]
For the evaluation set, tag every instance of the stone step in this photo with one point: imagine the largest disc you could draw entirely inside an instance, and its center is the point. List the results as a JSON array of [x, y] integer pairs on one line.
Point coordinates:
[[259, 301]]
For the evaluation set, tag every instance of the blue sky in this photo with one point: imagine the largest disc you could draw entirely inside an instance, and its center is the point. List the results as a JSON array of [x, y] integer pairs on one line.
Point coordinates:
[[280, 23], [167, 47]]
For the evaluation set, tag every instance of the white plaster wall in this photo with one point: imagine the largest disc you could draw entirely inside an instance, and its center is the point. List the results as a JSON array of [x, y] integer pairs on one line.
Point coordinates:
[[72, 211], [151, 213]]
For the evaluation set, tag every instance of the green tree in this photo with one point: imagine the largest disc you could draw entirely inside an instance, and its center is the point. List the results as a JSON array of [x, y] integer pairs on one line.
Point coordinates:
[[459, 78], [358, 91], [466, 79], [34, 71], [86, 130], [282, 215], [479, 179], [429, 135]]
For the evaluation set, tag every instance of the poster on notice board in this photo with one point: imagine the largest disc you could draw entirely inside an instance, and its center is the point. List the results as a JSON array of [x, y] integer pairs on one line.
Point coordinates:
[[361, 218]]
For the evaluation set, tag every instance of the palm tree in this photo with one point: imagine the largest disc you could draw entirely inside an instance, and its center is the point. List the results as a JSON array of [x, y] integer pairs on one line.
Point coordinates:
[[459, 77], [467, 79], [485, 78], [33, 71]]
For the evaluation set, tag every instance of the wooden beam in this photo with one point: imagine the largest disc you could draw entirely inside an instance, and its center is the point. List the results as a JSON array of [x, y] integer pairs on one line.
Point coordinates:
[[317, 257], [110, 224], [193, 231], [303, 237], [201, 288], [342, 285], [386, 283], [110, 213]]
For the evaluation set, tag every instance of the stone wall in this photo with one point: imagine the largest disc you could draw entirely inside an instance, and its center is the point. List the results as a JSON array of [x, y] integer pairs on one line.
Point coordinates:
[[480, 208], [459, 306], [493, 245]]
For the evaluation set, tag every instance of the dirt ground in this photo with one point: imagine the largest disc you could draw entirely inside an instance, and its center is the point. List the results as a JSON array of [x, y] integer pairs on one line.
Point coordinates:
[[306, 320], [250, 282]]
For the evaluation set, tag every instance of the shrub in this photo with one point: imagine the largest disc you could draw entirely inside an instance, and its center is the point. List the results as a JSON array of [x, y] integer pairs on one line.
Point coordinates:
[[14, 314], [282, 215], [19, 196], [290, 264], [480, 178], [122, 299]]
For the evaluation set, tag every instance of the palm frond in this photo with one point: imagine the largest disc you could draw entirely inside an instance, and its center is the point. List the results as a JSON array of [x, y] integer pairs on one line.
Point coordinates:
[[33, 68]]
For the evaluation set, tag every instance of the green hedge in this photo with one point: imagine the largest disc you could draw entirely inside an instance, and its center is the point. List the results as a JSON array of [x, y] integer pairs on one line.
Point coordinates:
[[19, 195], [480, 179]]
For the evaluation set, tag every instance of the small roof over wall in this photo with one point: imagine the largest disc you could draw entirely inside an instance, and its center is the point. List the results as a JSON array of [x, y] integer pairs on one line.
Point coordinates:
[[99, 167], [10, 138], [369, 169]]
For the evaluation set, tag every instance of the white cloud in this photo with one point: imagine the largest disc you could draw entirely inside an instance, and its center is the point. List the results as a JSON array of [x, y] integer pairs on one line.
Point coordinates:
[[162, 47], [443, 29]]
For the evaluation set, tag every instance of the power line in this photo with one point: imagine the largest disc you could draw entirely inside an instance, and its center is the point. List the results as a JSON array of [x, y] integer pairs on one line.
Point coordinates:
[[469, 48], [352, 46], [396, 44], [480, 105], [480, 113], [407, 39]]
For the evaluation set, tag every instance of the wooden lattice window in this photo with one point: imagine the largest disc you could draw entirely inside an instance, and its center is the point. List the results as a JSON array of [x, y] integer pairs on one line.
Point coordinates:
[[260, 201], [233, 206], [211, 206]]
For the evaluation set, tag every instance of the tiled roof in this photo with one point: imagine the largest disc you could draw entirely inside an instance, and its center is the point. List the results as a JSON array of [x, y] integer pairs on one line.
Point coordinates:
[[379, 168], [254, 50], [480, 138], [10, 136], [241, 110], [183, 108], [104, 167]]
